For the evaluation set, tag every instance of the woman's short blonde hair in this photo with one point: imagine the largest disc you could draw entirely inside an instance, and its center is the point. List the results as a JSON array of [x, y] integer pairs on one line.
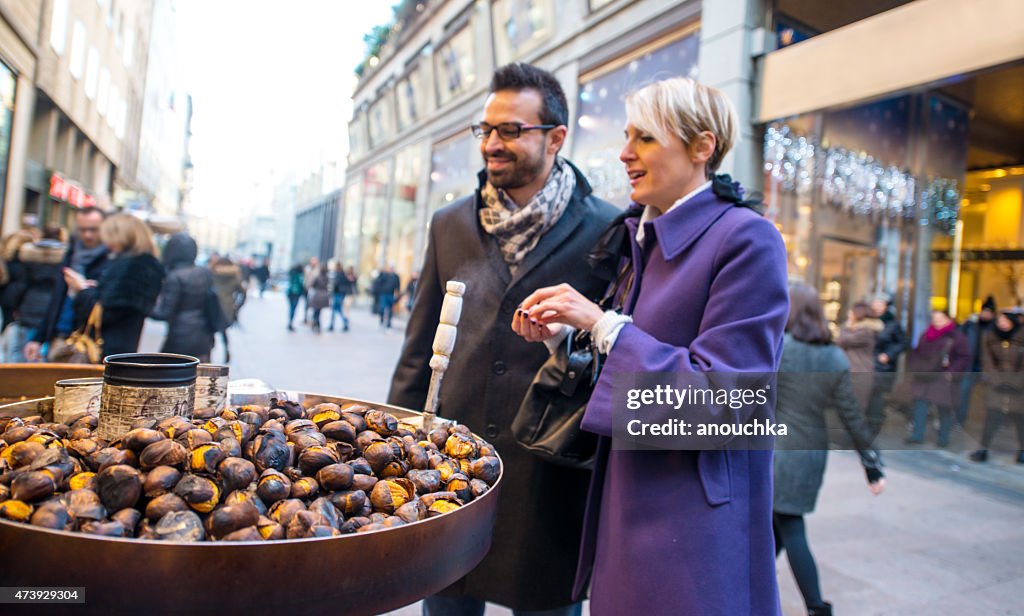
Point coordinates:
[[126, 233], [683, 108]]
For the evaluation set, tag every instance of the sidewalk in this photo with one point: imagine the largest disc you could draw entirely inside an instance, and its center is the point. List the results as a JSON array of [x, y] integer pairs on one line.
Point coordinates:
[[945, 539]]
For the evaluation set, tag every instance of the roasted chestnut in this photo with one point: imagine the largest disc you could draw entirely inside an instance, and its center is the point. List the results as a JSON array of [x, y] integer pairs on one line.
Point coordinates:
[[106, 529], [32, 486], [205, 458], [324, 413], [119, 486], [236, 473], [348, 501], [382, 422], [190, 439], [390, 494], [140, 438], [21, 454], [164, 504], [460, 445], [284, 510], [163, 453], [378, 454], [51, 514], [249, 533], [335, 477], [270, 451], [15, 510], [180, 526], [304, 488], [84, 504], [270, 530], [363, 482], [413, 511], [340, 431], [312, 459], [229, 518], [199, 492], [485, 469], [128, 517], [425, 481], [273, 486], [159, 481]]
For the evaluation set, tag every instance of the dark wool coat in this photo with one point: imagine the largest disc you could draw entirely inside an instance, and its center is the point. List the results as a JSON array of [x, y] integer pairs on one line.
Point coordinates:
[[892, 341], [688, 532], [93, 271], [536, 538], [936, 365], [183, 299], [34, 276], [858, 342], [812, 379], [127, 291], [1002, 364]]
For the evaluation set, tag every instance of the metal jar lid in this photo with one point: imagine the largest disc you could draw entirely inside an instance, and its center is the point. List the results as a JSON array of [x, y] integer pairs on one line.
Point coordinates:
[[150, 369]]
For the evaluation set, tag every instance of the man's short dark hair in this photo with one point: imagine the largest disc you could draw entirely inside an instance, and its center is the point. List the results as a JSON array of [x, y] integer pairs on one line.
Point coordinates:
[[519, 76], [90, 209]]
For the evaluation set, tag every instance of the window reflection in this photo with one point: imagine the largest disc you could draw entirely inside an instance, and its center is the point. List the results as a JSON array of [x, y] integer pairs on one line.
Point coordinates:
[[402, 226], [382, 120], [601, 112], [376, 179], [455, 65]]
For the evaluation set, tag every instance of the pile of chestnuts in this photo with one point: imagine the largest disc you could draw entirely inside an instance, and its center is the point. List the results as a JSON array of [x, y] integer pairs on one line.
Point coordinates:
[[252, 473]]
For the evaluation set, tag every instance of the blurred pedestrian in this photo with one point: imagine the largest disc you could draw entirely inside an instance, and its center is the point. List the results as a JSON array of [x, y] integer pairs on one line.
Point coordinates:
[[296, 289], [410, 290], [311, 271], [230, 290], [857, 338], [386, 288], [319, 296], [86, 256], [262, 274], [34, 273], [814, 376], [342, 285], [891, 343], [934, 366], [974, 329], [9, 247], [128, 288], [183, 300], [1002, 357]]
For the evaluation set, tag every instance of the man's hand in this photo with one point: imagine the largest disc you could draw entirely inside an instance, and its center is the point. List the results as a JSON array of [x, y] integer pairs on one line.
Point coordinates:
[[883, 359]]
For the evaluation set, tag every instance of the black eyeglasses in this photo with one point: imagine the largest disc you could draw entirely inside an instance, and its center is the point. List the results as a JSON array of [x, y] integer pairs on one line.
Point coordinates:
[[506, 130]]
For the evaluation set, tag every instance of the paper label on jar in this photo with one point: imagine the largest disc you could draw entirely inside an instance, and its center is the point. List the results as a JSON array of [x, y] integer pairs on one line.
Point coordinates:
[[121, 405]]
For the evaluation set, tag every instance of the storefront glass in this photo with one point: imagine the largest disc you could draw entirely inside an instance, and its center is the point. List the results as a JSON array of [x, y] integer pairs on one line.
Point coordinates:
[[402, 224], [454, 163], [7, 87], [376, 185], [351, 224], [455, 65], [601, 115], [357, 135], [520, 26]]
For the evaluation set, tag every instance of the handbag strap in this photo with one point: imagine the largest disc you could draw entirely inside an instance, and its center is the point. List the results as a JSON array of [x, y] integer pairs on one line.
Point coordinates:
[[94, 322]]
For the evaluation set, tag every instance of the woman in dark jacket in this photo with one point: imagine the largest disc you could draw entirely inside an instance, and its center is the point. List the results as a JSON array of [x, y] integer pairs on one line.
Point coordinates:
[[942, 354], [1002, 365], [34, 274], [182, 301], [857, 338], [128, 288], [814, 376]]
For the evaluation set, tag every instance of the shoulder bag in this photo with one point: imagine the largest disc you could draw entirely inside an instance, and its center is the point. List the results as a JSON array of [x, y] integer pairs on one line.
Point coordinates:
[[82, 347]]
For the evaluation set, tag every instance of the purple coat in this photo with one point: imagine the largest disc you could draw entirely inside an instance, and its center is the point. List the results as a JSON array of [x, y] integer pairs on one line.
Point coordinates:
[[688, 532]]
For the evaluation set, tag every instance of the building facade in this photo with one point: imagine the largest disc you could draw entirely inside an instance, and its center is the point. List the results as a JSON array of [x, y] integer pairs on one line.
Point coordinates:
[[885, 134]]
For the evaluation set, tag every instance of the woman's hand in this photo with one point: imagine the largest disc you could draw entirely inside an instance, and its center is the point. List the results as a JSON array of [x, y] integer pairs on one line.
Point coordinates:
[[877, 487], [530, 329], [560, 304], [75, 281]]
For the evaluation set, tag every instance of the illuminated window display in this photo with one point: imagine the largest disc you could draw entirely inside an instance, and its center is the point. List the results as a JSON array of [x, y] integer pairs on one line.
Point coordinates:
[[453, 166], [402, 225], [350, 226], [376, 185]]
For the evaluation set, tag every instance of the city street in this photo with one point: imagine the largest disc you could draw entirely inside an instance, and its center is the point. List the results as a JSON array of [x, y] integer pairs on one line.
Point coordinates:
[[944, 539]]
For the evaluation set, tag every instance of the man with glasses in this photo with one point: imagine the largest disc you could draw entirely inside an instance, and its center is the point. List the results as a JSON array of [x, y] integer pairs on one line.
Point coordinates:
[[530, 224], [86, 256]]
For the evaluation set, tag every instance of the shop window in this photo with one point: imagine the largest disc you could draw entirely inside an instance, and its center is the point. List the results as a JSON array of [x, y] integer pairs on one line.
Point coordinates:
[[455, 65], [601, 111], [8, 83], [452, 162], [520, 26], [411, 96], [402, 226], [103, 98], [381, 120], [351, 223], [789, 32], [376, 185]]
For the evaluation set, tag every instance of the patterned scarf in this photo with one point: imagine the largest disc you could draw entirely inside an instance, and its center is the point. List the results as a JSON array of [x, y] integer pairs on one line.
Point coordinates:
[[518, 229]]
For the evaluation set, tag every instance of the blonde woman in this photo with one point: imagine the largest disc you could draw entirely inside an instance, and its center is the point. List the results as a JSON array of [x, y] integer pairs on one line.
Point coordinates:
[[678, 530], [127, 290]]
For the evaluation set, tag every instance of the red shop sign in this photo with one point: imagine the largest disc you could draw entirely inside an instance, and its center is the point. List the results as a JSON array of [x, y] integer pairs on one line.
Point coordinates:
[[66, 190]]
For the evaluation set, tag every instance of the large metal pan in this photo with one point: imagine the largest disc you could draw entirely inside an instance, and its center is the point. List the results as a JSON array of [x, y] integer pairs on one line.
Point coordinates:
[[363, 573]]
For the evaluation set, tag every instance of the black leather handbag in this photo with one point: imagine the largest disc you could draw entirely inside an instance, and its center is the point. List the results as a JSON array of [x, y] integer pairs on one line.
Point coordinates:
[[548, 421]]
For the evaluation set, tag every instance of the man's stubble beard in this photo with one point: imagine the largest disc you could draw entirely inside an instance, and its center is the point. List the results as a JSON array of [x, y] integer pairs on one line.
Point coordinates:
[[522, 173]]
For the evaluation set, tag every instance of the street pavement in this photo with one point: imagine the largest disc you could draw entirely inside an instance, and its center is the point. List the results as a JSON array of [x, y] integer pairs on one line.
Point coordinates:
[[946, 537]]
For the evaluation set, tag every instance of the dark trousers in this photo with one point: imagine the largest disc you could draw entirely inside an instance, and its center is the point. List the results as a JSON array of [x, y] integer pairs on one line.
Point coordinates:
[[293, 305], [468, 606], [387, 308], [791, 535], [338, 308], [921, 422], [994, 421], [875, 412]]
